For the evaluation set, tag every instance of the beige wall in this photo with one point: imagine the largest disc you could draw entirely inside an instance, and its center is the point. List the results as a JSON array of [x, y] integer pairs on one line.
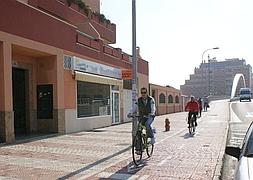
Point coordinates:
[[5, 76], [143, 81], [74, 124], [164, 108], [70, 90]]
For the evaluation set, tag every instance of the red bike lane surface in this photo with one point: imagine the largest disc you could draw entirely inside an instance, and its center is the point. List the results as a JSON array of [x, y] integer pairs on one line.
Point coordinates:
[[106, 152], [177, 155]]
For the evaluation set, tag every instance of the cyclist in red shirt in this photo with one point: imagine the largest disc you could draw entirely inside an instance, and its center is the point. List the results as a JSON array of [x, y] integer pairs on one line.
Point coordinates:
[[192, 107]]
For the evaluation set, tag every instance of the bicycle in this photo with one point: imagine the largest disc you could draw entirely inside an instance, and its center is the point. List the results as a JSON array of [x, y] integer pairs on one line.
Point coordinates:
[[140, 141], [192, 126]]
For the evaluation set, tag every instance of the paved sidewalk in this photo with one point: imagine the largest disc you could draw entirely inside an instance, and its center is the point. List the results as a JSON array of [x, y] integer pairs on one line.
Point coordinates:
[[106, 152]]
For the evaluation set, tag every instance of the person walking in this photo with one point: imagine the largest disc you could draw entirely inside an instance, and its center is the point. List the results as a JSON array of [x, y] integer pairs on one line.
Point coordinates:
[[200, 106], [205, 103]]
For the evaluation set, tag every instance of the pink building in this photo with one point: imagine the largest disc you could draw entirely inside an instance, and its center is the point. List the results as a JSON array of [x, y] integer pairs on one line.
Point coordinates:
[[168, 99], [57, 72]]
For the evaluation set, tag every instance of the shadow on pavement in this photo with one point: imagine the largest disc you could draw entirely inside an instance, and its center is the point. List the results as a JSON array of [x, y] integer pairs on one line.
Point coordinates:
[[187, 136], [128, 171], [93, 164], [30, 138]]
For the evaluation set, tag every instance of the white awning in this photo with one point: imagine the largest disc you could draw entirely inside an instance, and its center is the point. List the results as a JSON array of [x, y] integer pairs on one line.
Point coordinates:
[[81, 76]]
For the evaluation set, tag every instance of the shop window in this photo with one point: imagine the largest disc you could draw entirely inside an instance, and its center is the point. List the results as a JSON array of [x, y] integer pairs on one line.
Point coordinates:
[[161, 98], [92, 99], [177, 99], [170, 99]]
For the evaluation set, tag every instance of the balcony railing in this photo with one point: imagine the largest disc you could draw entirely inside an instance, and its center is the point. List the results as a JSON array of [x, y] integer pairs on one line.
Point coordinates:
[[74, 14]]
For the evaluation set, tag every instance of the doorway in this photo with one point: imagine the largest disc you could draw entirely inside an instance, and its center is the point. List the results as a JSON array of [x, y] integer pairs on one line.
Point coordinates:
[[115, 107], [19, 94]]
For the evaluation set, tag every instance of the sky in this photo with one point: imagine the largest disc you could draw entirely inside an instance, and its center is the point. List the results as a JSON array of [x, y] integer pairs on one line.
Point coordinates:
[[173, 34]]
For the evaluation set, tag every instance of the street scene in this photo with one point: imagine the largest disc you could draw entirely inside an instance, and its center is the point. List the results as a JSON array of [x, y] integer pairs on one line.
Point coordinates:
[[125, 90], [105, 153]]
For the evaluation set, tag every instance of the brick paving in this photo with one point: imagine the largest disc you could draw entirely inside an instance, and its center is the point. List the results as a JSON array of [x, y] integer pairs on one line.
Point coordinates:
[[106, 152]]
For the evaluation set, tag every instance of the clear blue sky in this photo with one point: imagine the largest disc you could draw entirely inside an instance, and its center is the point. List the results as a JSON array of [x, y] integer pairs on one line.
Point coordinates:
[[172, 34]]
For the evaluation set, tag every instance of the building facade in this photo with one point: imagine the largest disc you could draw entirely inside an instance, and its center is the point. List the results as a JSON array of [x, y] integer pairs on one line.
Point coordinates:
[[168, 99], [57, 72], [215, 78]]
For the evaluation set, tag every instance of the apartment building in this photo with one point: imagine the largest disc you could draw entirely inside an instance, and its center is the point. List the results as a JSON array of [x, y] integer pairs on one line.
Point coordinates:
[[58, 73], [215, 78]]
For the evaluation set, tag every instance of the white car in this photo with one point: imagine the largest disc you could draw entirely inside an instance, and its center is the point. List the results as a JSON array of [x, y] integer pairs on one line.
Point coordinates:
[[244, 168], [245, 94]]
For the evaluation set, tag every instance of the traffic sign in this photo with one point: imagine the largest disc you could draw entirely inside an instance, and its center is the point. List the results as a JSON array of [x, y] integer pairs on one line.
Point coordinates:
[[126, 74]]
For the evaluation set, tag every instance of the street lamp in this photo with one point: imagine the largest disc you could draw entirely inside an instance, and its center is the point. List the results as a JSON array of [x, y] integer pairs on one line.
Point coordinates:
[[208, 66], [134, 65], [208, 50]]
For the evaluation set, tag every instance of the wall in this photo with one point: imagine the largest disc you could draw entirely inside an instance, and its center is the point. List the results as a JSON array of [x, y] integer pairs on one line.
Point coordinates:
[[127, 103], [165, 108], [73, 124]]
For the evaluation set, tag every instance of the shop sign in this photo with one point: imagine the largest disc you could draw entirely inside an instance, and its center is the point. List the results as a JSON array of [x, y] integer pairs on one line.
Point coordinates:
[[126, 74], [96, 68]]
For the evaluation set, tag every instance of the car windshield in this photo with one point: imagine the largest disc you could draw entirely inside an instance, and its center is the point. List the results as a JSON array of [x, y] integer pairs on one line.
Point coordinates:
[[245, 92], [249, 147]]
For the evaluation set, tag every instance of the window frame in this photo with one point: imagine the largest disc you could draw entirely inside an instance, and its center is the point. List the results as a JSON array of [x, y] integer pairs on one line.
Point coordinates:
[[89, 117], [164, 98], [172, 99]]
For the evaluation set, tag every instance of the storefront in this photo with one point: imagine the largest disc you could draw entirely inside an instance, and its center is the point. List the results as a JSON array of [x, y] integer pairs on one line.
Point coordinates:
[[64, 80], [98, 90]]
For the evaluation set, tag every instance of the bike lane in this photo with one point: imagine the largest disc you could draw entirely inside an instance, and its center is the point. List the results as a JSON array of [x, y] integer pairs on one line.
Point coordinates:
[[177, 155], [105, 153]]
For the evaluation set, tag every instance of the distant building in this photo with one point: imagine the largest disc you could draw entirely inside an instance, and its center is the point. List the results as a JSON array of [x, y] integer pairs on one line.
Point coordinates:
[[167, 98], [218, 82]]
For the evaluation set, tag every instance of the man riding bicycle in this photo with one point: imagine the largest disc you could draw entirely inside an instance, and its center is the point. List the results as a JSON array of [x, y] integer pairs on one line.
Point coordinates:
[[146, 108], [192, 107]]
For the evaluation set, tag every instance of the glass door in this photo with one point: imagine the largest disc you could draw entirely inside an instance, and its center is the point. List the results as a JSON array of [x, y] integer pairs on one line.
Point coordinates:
[[115, 107]]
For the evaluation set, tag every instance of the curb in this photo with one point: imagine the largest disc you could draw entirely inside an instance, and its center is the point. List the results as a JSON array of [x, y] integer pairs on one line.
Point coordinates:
[[220, 161]]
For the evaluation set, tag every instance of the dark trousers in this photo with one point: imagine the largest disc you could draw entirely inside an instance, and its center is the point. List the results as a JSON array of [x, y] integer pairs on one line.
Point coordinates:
[[194, 114], [200, 111]]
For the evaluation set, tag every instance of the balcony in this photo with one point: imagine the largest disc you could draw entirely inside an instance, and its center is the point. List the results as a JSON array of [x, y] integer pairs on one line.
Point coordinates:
[[85, 20], [31, 24]]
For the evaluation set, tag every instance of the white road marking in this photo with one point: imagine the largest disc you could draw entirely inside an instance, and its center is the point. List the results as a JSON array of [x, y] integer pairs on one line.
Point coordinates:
[[234, 117]]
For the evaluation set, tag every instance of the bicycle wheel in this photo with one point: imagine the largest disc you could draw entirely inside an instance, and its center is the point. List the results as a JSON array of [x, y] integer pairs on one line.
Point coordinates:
[[193, 126], [190, 129], [137, 149], [149, 149]]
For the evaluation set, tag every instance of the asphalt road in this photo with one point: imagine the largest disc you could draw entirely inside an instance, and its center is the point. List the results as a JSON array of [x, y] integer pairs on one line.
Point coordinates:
[[241, 115]]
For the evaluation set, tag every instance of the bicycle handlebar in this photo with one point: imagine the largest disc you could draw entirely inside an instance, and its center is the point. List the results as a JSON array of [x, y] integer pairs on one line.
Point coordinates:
[[138, 116]]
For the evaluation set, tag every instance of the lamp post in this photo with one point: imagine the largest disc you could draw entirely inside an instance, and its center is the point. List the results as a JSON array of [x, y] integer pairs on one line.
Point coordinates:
[[134, 65], [208, 66], [208, 50], [209, 83]]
